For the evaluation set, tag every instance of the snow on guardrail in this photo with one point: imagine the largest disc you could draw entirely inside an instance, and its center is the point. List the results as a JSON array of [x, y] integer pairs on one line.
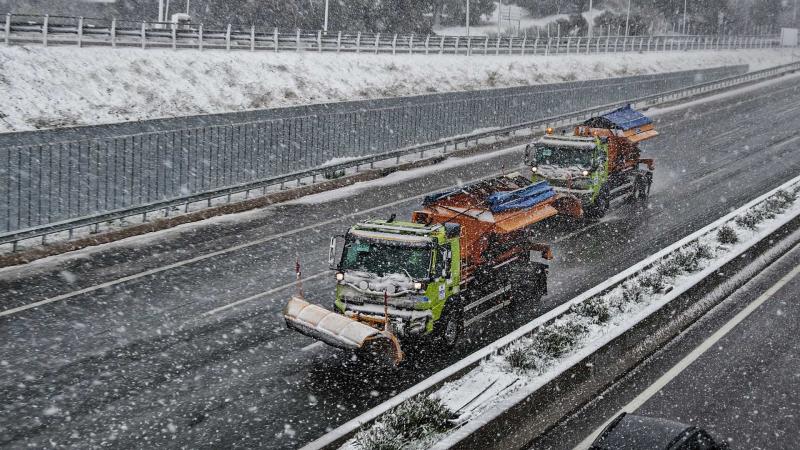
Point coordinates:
[[465, 397]]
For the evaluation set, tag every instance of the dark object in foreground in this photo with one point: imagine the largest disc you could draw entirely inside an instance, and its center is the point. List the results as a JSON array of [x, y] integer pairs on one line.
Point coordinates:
[[631, 432]]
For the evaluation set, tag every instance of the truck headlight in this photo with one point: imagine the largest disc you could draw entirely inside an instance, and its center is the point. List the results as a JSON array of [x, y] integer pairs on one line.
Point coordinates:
[[339, 276], [534, 169], [585, 173], [418, 285]]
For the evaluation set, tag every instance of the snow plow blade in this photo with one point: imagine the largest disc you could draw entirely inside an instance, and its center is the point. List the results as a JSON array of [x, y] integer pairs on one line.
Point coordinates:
[[339, 331]]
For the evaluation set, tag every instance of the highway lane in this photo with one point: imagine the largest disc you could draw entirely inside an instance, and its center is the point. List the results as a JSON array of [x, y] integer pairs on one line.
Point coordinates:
[[135, 363], [734, 372]]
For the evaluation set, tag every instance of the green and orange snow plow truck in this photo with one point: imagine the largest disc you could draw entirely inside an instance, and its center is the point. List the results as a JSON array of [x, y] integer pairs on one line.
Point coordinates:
[[466, 254], [597, 165]]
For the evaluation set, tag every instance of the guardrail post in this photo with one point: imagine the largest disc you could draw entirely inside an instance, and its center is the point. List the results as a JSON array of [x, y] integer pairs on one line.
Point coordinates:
[[455, 49], [200, 37], [44, 29], [358, 42], [319, 40], [297, 40], [497, 50], [394, 44], [524, 41], [8, 27], [441, 45], [569, 44], [228, 38], [275, 39], [648, 42], [608, 41], [547, 48], [339, 42], [411, 44], [377, 42], [510, 44], [144, 34], [80, 32], [486, 45], [427, 41], [536, 46], [113, 32], [252, 38], [174, 36]]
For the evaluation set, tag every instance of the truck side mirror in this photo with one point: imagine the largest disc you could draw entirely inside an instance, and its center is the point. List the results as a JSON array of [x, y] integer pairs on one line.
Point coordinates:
[[331, 253]]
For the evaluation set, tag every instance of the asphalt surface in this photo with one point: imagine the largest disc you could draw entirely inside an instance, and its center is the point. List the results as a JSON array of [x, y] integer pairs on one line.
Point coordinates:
[[122, 353], [744, 389]]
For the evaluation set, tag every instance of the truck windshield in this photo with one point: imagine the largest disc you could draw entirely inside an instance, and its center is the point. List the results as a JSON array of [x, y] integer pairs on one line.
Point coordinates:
[[383, 258], [563, 156]]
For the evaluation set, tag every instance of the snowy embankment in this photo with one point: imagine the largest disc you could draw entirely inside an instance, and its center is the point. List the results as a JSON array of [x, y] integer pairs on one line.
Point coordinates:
[[446, 408], [64, 86]]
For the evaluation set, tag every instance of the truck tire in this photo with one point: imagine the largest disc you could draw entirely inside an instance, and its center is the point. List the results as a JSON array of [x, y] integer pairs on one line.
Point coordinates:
[[641, 188], [528, 285], [449, 329], [598, 209]]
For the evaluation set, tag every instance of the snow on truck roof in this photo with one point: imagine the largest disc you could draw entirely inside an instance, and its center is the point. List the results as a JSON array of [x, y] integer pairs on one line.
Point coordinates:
[[624, 119]]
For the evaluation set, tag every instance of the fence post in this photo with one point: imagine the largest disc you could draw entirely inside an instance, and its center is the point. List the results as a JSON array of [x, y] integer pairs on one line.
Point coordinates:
[[144, 34], [455, 49], [297, 40], [536, 46], [648, 42], [339, 42], [174, 36], [547, 49], [80, 31], [641, 43], [510, 44], [200, 37], [228, 38], [275, 39], [358, 42], [377, 42], [252, 38], [394, 43], [469, 46], [8, 27], [319, 40], [411, 44], [44, 29], [608, 40], [524, 41], [441, 45], [569, 42], [113, 33], [486, 45], [497, 50], [427, 41]]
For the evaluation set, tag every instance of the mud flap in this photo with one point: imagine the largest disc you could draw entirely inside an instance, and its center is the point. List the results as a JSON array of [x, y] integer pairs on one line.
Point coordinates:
[[339, 331]]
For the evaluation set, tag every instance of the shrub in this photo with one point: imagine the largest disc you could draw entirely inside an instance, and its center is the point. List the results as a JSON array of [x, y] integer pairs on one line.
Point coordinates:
[[671, 266], [555, 340], [727, 235], [751, 219], [632, 294], [414, 419], [703, 251], [687, 260], [593, 308], [521, 358], [653, 281]]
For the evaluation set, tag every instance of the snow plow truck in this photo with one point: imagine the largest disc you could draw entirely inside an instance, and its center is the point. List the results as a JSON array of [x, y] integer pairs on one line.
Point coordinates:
[[597, 165], [466, 254]]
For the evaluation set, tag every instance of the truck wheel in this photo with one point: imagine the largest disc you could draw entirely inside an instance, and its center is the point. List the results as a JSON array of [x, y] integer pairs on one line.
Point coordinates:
[[641, 189], [598, 209], [450, 327]]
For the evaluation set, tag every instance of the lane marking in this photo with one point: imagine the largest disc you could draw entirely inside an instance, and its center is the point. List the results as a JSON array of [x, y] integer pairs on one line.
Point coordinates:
[[263, 294], [185, 262], [659, 384]]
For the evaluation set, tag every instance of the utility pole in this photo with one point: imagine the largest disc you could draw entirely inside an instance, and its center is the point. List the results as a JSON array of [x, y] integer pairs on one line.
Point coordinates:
[[160, 10], [325, 23], [498, 17], [684, 16], [499, 11], [627, 18], [589, 31]]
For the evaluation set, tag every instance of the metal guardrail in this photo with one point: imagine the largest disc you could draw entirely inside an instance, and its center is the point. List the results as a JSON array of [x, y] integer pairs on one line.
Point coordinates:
[[80, 31], [571, 117], [54, 176]]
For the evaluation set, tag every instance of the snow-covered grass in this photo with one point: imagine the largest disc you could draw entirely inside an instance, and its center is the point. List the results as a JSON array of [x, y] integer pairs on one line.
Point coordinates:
[[61, 86], [590, 321]]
